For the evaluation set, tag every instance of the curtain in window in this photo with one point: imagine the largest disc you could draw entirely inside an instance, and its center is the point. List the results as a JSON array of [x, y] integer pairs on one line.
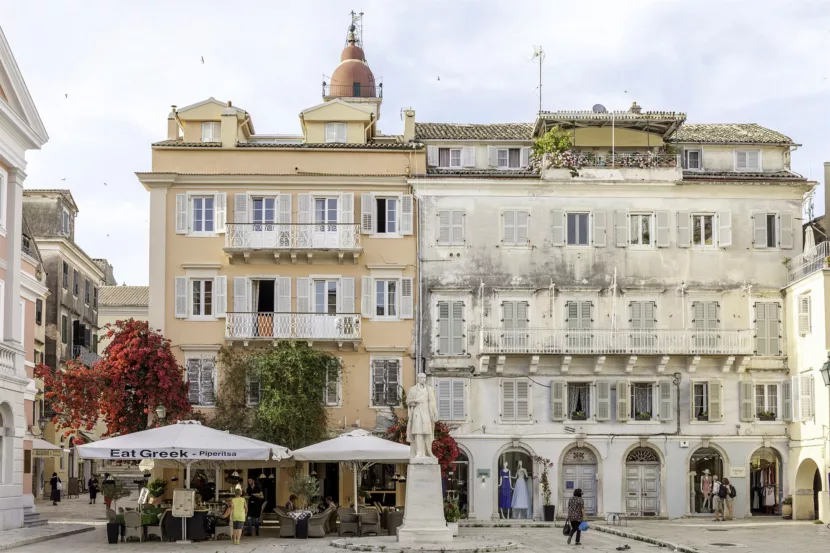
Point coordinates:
[[443, 157], [578, 400], [514, 157], [641, 398]]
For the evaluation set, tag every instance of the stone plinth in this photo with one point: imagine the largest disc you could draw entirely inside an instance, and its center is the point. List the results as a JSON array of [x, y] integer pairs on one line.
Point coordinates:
[[423, 520]]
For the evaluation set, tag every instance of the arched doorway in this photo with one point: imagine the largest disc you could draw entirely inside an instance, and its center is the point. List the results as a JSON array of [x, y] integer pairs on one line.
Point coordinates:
[[765, 486], [457, 482], [579, 470], [515, 467], [705, 464], [807, 488], [642, 482]]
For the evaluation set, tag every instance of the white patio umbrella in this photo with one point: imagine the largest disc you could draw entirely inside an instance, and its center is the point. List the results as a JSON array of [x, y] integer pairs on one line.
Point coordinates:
[[359, 448], [809, 240]]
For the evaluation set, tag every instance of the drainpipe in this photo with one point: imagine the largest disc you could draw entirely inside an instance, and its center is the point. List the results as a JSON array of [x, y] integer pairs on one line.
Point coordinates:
[[420, 316], [676, 377]]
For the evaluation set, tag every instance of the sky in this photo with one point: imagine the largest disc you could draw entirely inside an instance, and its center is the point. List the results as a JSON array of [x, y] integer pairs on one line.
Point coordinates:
[[104, 74]]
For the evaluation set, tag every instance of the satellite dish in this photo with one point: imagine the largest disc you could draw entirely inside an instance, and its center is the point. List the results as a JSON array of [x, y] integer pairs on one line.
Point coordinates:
[[599, 108]]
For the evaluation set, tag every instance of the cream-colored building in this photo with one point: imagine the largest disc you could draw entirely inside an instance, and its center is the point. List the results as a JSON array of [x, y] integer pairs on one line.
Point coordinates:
[[120, 303], [257, 238]]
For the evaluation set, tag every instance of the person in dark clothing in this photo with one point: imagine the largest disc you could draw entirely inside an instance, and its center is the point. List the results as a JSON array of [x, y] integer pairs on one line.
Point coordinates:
[[93, 489], [576, 514], [255, 498], [56, 484], [291, 504]]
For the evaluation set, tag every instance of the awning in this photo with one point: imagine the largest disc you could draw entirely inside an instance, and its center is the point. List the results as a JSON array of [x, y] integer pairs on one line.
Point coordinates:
[[43, 449], [357, 445]]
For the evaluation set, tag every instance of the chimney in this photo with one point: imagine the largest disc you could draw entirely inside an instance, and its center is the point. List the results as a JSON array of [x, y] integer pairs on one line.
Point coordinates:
[[230, 127], [172, 125], [409, 125], [635, 108]]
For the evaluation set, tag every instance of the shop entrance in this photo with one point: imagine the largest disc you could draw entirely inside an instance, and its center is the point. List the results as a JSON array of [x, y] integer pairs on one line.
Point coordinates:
[[515, 484], [579, 470], [642, 482], [456, 482], [765, 482], [705, 465]]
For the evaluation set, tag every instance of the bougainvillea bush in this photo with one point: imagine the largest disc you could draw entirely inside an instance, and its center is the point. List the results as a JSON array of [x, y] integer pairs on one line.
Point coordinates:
[[444, 447]]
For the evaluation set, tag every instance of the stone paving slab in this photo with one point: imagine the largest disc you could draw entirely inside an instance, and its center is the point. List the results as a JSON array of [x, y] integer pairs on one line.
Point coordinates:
[[389, 544], [20, 537]]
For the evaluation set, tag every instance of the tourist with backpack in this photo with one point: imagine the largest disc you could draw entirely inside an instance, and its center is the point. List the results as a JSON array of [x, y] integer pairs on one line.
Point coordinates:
[[718, 498], [729, 498]]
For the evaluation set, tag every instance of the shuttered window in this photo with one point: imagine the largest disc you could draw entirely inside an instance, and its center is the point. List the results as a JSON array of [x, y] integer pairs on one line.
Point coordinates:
[[747, 160], [515, 318], [386, 378], [451, 338], [515, 227], [450, 397], [201, 376], [252, 389], [331, 391], [705, 322], [767, 329], [515, 400], [805, 323], [450, 228]]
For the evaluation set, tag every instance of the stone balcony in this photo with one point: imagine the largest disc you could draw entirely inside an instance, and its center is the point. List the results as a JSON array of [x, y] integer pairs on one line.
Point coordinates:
[[580, 166]]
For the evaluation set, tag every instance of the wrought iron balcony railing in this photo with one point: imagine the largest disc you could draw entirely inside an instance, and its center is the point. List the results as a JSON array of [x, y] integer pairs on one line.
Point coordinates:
[[290, 326], [809, 262], [296, 236], [636, 160], [85, 355]]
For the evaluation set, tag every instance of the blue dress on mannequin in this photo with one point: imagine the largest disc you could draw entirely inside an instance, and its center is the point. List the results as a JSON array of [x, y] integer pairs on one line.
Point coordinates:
[[504, 491]]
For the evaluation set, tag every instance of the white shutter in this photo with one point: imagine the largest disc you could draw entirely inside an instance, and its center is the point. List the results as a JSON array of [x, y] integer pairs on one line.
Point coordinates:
[[557, 401], [220, 293], [240, 294], [285, 210], [181, 297], [724, 228], [457, 327], [194, 366], [443, 393], [522, 227], [715, 402], [468, 156], [367, 297], [525, 158], [663, 232], [444, 227], [740, 161], [759, 230], [509, 225], [432, 156], [303, 295], [747, 401], [457, 230], [406, 298], [603, 412], [407, 214], [805, 394], [283, 294], [220, 202], [458, 400], [787, 236], [623, 393], [804, 314], [303, 209], [492, 156], [367, 214], [345, 295], [795, 398], [346, 211], [240, 208], [665, 397], [684, 229], [761, 329], [181, 213], [523, 400], [787, 400], [600, 226], [753, 160], [557, 225], [443, 327], [773, 329], [621, 228], [508, 399]]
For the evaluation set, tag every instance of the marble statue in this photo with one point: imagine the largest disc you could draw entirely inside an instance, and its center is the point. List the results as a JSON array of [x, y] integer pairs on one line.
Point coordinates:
[[423, 412]]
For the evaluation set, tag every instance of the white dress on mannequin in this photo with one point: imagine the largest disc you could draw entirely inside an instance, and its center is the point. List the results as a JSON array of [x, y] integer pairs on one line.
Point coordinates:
[[521, 498]]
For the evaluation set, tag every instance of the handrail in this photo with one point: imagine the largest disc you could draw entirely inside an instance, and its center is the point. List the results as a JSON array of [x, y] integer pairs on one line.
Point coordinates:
[[809, 262], [287, 325], [287, 236]]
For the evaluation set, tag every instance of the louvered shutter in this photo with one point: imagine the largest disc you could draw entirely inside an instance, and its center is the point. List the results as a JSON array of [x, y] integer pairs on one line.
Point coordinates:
[[740, 161], [508, 400], [367, 214], [457, 232], [600, 226], [525, 158], [181, 297], [444, 227], [649, 314], [444, 398], [636, 308], [367, 297], [240, 295], [509, 224], [181, 213], [206, 382], [761, 330], [468, 156], [621, 228], [522, 400], [663, 233], [303, 295], [346, 295], [759, 230], [432, 156], [715, 401], [221, 212], [285, 209], [194, 366], [603, 412], [303, 209], [804, 315], [724, 228], [407, 214], [666, 405], [795, 397], [805, 394], [457, 327], [220, 295], [557, 401], [787, 400], [623, 393], [747, 401], [346, 211], [774, 328], [492, 156], [240, 209], [572, 309], [753, 160], [508, 315], [787, 236], [392, 381], [684, 231], [458, 400], [406, 298], [522, 224], [522, 314], [378, 383], [557, 225], [585, 314], [443, 328]]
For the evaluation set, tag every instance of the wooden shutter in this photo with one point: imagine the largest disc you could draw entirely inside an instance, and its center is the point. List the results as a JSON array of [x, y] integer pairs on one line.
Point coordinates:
[[603, 412], [787, 400], [367, 214], [523, 400], [285, 210], [378, 382], [572, 314], [759, 230], [623, 393], [508, 315], [649, 314], [181, 213], [220, 296], [684, 229], [240, 295], [181, 297], [509, 230], [392, 381], [753, 160], [761, 329], [346, 208], [621, 228], [524, 160], [663, 240], [443, 389], [805, 395], [557, 401], [407, 214], [283, 288], [666, 411], [492, 156], [468, 156], [206, 382], [557, 225], [795, 396], [715, 401], [406, 298], [240, 209], [457, 228], [443, 327], [444, 227], [432, 156], [345, 295], [787, 236], [585, 314], [457, 327], [367, 297], [724, 228], [522, 224], [747, 401], [303, 209], [303, 295], [804, 314], [522, 309], [458, 400], [740, 161], [636, 312], [194, 365], [508, 399], [600, 226], [220, 203]]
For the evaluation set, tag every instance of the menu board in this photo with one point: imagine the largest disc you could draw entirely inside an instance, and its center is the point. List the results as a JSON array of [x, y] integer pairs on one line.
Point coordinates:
[[143, 495], [184, 502]]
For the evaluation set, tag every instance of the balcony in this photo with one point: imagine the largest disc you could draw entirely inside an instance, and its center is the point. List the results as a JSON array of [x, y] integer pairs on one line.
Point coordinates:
[[6, 359], [84, 355], [538, 341], [311, 327], [291, 240], [636, 166], [809, 262]]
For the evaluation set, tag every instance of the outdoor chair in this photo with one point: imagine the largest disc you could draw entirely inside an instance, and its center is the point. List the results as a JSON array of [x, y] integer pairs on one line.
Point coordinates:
[[288, 526], [132, 526], [318, 523], [110, 515], [349, 521], [222, 528], [369, 521], [157, 530]]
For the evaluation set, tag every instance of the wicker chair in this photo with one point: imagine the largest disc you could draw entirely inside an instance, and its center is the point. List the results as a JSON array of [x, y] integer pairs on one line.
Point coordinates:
[[349, 521], [132, 526], [288, 526], [157, 530], [318, 523], [222, 528], [369, 521]]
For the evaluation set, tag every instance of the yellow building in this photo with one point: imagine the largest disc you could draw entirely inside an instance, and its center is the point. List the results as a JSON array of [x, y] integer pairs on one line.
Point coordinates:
[[259, 238]]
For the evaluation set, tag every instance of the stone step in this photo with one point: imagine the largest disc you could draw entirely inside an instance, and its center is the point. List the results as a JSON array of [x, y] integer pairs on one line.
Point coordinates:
[[31, 520]]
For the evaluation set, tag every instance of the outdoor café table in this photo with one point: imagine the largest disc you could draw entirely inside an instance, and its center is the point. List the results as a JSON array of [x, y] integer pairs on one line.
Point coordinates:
[[301, 519]]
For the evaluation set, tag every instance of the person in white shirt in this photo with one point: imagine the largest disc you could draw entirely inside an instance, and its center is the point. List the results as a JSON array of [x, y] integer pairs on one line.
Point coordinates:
[[717, 501]]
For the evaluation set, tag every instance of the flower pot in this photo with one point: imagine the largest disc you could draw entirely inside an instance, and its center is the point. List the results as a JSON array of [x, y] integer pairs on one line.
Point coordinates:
[[582, 417], [703, 418], [787, 511], [113, 528], [301, 528], [454, 527], [767, 418], [549, 512]]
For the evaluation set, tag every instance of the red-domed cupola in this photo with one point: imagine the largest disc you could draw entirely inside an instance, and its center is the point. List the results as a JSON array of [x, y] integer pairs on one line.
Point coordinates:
[[352, 78]]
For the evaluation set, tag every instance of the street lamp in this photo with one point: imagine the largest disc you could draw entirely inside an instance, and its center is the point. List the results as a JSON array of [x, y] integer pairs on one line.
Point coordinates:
[[161, 412], [41, 424], [825, 371]]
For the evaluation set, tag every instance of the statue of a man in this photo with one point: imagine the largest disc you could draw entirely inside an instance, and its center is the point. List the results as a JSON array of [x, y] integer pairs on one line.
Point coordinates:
[[423, 412]]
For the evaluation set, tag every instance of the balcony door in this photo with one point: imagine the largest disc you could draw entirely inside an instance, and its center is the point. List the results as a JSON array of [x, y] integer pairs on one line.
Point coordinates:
[[324, 304], [325, 223], [263, 219]]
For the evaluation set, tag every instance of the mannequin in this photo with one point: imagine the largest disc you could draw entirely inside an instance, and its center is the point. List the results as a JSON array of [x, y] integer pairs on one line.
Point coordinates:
[[521, 499], [505, 491], [706, 489]]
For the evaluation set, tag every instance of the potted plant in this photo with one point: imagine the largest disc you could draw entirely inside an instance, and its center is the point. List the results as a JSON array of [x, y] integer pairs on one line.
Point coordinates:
[[548, 510], [787, 507], [114, 490], [452, 514], [579, 416], [766, 416], [703, 416], [641, 416], [307, 490], [157, 487]]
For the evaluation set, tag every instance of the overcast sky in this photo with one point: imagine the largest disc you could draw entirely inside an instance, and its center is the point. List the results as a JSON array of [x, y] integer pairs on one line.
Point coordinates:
[[123, 64]]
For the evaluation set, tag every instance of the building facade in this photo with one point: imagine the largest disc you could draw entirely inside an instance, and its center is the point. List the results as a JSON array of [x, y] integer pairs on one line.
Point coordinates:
[[120, 303], [257, 238], [20, 130], [614, 308]]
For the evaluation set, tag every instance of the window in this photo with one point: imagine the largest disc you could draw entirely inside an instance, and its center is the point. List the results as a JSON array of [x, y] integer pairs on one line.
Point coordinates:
[[450, 227], [387, 213], [263, 211], [579, 401], [747, 160], [211, 131], [577, 229], [64, 329], [356, 90], [252, 389], [451, 328], [65, 275], [386, 301], [515, 224], [706, 324], [766, 401], [449, 157], [703, 230], [76, 283], [87, 292], [515, 400], [201, 376], [642, 401], [38, 312], [700, 399], [202, 214], [805, 323], [643, 318], [509, 158], [765, 230], [386, 376], [325, 296], [331, 391], [641, 229], [767, 331], [95, 297], [65, 222], [202, 297], [578, 318], [335, 133], [450, 397], [515, 315], [693, 159], [806, 397]]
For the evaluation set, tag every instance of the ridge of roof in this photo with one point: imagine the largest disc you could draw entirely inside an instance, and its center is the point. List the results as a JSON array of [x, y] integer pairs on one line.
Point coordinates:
[[473, 131], [729, 133], [122, 296]]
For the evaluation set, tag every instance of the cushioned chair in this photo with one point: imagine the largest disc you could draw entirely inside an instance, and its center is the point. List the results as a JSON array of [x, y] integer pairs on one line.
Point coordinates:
[[318, 523], [157, 530], [349, 521], [132, 526], [369, 521], [288, 526]]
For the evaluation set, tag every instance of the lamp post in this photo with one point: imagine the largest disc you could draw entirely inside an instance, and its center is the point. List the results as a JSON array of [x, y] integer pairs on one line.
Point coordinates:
[[41, 424], [825, 371], [161, 413]]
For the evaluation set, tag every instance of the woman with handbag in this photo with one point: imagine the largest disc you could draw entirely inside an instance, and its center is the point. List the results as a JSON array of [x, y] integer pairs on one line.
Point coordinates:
[[57, 486], [576, 514]]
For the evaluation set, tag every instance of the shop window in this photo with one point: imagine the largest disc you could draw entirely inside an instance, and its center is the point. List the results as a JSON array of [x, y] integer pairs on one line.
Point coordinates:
[[706, 464]]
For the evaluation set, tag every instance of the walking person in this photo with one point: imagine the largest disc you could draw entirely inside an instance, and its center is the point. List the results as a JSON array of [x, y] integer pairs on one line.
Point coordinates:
[[255, 497], [729, 498], [239, 512], [718, 499], [93, 489], [108, 479], [576, 514], [57, 486]]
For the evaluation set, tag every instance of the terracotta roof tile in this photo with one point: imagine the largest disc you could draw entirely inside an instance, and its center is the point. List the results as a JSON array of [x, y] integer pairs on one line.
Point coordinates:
[[121, 296], [434, 172], [460, 131], [743, 175], [729, 133]]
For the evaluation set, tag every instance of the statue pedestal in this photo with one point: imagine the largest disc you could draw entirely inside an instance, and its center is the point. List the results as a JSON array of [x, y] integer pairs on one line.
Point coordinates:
[[423, 520]]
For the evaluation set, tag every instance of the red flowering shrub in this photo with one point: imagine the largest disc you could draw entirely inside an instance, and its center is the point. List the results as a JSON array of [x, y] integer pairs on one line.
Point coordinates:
[[444, 446]]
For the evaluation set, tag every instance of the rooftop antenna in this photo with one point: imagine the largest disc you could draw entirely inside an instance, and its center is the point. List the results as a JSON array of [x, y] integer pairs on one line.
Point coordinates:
[[356, 27], [539, 56]]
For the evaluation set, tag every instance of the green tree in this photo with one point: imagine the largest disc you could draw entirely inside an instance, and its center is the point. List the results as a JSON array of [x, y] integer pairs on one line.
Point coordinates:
[[556, 140]]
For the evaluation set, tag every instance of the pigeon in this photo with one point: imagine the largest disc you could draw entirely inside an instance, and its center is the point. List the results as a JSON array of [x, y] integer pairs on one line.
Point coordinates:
[[203, 60], [66, 95], [105, 184], [64, 178], [439, 78]]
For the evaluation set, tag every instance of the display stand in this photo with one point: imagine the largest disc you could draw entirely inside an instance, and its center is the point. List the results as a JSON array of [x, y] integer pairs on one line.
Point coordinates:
[[184, 503]]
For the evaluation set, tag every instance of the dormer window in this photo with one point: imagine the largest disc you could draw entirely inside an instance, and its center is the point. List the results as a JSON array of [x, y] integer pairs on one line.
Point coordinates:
[[449, 157], [693, 159], [747, 160], [211, 131], [509, 158], [335, 133]]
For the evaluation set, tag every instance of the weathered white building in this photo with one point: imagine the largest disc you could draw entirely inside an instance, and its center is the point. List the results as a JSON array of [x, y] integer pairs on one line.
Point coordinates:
[[622, 319]]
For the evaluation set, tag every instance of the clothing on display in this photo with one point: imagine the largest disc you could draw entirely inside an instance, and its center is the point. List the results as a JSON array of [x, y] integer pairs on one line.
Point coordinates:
[[504, 490], [521, 499], [764, 486]]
